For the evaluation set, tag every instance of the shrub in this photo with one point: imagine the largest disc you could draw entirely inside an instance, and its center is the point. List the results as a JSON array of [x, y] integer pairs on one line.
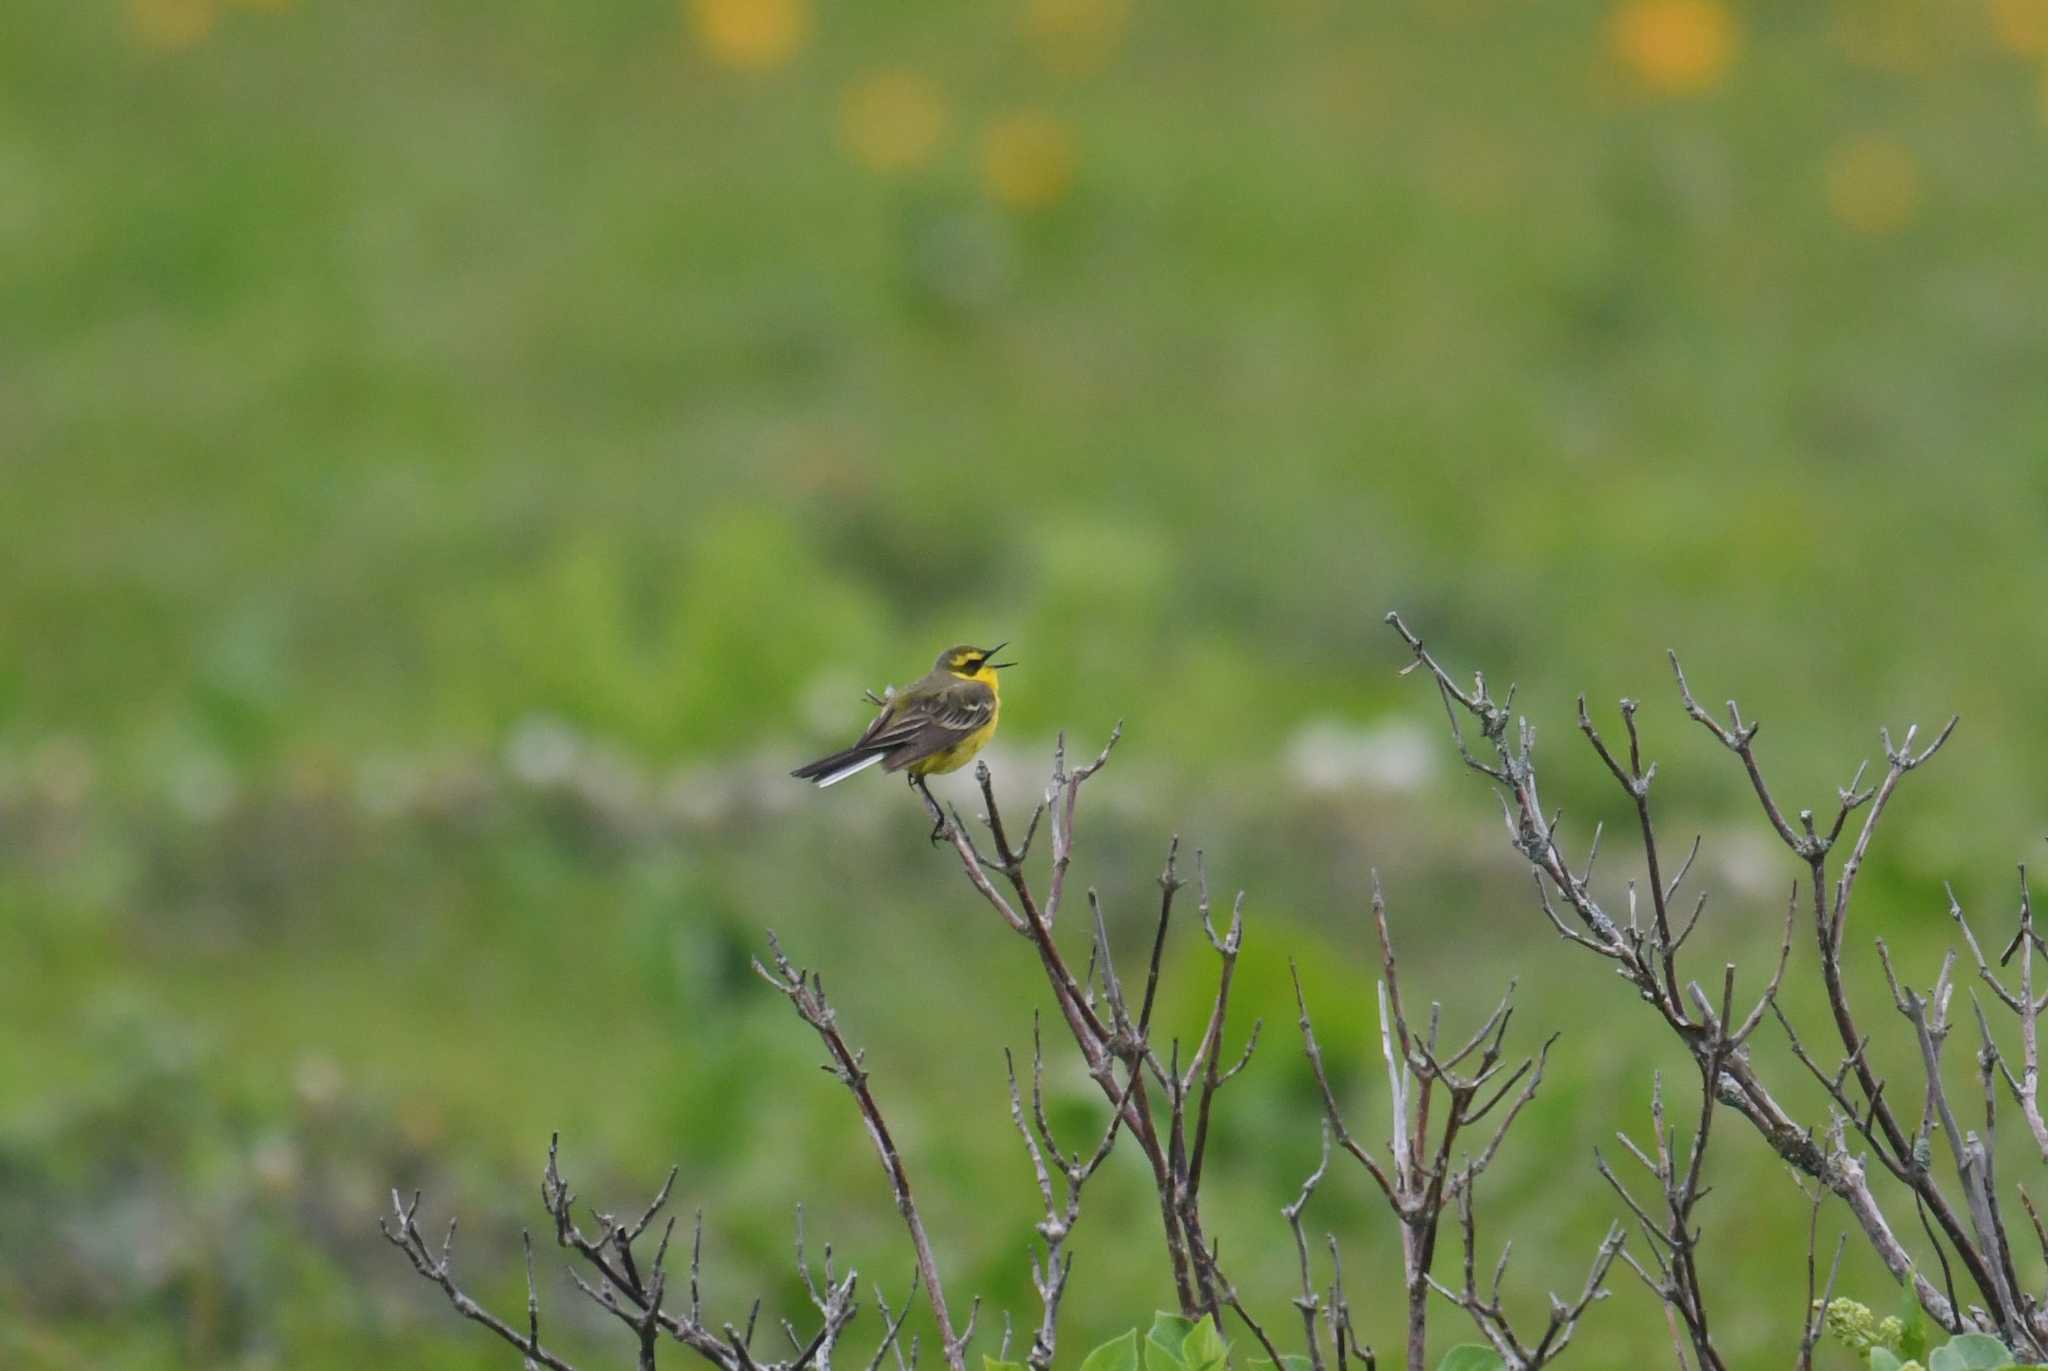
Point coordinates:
[[1453, 1102]]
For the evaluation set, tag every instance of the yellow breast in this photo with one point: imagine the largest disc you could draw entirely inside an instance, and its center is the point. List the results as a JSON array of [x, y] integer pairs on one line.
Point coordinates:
[[962, 752]]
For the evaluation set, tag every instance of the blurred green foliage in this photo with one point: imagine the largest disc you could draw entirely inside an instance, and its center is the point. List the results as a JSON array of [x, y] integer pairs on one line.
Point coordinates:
[[457, 457]]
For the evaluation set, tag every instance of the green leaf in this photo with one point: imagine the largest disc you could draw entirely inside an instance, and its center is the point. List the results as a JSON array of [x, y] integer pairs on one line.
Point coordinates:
[[1204, 1348], [1163, 1342], [989, 1363], [1289, 1361], [1969, 1352], [1913, 1321], [1884, 1359], [1471, 1356], [1118, 1354]]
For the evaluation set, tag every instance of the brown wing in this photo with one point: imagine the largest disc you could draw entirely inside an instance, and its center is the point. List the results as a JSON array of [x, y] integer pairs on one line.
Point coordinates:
[[929, 717], [932, 723]]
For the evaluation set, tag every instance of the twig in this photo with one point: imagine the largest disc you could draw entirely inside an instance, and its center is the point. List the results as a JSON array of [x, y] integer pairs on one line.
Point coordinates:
[[805, 991], [1640, 956]]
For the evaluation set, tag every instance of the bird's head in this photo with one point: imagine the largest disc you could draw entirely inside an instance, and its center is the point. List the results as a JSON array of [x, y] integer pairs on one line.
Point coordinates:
[[972, 663]]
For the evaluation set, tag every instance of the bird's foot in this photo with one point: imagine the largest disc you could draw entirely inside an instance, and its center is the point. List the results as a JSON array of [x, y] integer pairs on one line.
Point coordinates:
[[938, 814]]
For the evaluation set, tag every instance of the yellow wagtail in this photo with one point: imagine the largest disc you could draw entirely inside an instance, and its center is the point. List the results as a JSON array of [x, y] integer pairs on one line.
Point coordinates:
[[933, 725]]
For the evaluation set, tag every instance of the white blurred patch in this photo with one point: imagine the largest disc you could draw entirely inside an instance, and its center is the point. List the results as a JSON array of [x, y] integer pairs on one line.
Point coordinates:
[[318, 1082], [1750, 860], [1329, 754], [387, 785], [202, 786], [63, 771], [274, 1162], [542, 750], [696, 796], [610, 781]]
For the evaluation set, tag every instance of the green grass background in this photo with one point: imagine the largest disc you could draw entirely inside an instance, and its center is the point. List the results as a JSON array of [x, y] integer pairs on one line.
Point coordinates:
[[456, 457]]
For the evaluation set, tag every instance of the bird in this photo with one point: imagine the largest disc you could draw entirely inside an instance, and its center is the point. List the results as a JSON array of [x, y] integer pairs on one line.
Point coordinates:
[[933, 725]]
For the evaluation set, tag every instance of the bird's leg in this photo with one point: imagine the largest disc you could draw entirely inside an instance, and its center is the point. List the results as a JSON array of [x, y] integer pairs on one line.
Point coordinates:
[[938, 814]]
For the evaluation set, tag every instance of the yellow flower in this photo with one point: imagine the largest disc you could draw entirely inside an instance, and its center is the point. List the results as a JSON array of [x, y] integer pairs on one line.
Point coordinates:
[[751, 35], [892, 121], [2021, 26], [1674, 47], [1076, 37], [170, 25], [1873, 186], [1027, 161]]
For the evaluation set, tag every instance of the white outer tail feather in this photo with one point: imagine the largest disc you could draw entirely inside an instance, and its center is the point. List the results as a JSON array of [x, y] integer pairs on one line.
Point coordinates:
[[834, 777]]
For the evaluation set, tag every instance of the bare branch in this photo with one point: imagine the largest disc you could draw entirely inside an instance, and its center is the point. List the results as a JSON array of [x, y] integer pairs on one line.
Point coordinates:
[[1331, 1112], [1814, 1317], [404, 1234], [1642, 954], [1307, 1301], [805, 991]]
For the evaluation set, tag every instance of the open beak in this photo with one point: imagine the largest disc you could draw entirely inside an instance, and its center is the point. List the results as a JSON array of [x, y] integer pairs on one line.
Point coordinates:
[[993, 651]]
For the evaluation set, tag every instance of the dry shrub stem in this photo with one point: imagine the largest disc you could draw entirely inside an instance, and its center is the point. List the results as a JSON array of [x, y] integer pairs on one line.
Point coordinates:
[[1973, 1230], [1451, 1105], [1167, 1110], [632, 1284], [805, 991], [1423, 1180]]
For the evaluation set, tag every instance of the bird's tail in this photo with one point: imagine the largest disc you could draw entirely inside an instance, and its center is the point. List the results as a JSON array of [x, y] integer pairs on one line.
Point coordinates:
[[837, 767]]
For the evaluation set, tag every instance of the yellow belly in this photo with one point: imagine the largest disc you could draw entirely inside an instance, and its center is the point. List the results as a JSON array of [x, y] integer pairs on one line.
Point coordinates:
[[956, 756]]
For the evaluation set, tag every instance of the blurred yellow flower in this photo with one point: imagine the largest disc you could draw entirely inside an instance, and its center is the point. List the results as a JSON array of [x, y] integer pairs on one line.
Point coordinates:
[[1027, 161], [170, 25], [1674, 47], [1873, 186], [2021, 26], [892, 121], [752, 35], [1076, 37]]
